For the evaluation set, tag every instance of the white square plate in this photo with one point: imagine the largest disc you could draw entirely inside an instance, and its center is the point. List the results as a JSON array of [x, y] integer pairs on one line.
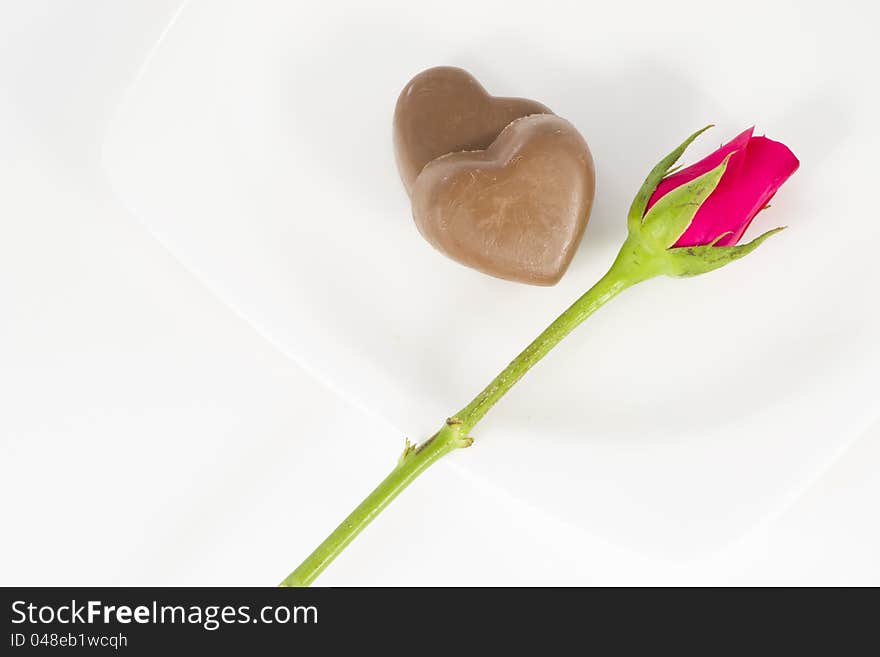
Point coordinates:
[[256, 146]]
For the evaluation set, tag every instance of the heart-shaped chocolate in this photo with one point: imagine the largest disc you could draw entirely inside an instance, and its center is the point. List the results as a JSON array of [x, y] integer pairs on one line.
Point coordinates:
[[443, 110], [516, 210]]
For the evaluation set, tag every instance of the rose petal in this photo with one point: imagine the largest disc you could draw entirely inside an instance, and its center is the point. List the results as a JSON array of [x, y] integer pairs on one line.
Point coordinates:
[[711, 221], [757, 168], [768, 164], [736, 145]]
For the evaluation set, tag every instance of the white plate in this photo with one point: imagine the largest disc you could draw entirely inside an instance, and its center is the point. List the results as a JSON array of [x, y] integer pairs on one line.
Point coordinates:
[[256, 146]]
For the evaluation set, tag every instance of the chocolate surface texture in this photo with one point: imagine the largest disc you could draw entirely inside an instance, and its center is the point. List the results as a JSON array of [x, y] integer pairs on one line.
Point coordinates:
[[516, 210], [501, 185], [443, 110]]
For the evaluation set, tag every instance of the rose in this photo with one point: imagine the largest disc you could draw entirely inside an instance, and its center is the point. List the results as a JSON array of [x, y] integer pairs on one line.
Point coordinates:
[[690, 221], [679, 224]]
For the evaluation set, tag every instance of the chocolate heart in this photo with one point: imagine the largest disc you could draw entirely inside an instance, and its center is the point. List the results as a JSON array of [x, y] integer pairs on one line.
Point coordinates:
[[516, 210], [444, 110]]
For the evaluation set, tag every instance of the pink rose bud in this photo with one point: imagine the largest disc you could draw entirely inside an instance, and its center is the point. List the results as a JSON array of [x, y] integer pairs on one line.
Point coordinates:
[[757, 168], [689, 222]]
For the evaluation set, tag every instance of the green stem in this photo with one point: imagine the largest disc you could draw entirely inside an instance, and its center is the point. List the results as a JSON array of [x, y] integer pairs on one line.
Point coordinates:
[[616, 280], [413, 462], [628, 269]]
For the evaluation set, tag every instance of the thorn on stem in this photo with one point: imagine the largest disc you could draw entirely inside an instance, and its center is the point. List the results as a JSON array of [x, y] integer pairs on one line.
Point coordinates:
[[408, 449]]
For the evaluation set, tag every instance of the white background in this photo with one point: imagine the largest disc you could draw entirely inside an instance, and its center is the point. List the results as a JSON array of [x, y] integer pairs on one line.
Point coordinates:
[[217, 321]]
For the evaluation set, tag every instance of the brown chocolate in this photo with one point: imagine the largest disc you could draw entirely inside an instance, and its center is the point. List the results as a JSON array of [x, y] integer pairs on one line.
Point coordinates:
[[443, 110], [516, 210]]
